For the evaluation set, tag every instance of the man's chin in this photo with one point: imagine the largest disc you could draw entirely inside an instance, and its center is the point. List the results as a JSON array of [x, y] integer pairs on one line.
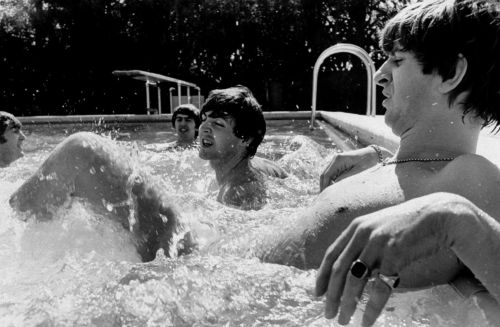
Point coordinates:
[[204, 154]]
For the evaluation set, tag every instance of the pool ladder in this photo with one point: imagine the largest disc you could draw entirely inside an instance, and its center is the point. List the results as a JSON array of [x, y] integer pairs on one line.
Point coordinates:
[[370, 72]]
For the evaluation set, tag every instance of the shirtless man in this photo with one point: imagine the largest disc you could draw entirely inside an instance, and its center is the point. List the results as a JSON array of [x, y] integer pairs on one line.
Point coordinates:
[[441, 83], [11, 139], [89, 167], [232, 128], [186, 121]]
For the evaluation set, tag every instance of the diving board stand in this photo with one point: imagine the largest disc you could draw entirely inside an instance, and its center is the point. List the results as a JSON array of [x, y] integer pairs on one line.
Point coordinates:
[[152, 79]]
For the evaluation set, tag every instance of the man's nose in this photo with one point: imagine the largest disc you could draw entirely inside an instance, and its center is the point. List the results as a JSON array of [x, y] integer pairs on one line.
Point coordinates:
[[382, 76], [204, 127], [22, 137]]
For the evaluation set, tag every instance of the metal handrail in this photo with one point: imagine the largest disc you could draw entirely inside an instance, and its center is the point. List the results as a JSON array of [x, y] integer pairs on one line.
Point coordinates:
[[370, 72]]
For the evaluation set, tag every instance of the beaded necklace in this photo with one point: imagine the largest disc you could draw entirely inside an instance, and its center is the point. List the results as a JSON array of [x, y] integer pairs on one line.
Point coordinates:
[[395, 162]]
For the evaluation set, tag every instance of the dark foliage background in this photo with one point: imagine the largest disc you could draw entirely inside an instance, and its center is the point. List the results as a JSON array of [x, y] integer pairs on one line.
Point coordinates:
[[56, 56]]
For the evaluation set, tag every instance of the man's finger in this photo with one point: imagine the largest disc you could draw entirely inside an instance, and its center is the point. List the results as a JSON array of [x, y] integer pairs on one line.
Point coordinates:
[[353, 290], [331, 255], [378, 296], [335, 287], [341, 269]]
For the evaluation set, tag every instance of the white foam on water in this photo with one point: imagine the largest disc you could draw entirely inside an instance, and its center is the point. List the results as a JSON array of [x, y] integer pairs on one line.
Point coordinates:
[[82, 268]]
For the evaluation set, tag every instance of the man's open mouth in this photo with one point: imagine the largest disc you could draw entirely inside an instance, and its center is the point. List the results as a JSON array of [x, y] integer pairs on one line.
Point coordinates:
[[206, 143]]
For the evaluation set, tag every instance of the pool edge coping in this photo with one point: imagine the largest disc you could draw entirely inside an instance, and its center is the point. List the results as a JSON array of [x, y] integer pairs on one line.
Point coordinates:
[[75, 119], [364, 129]]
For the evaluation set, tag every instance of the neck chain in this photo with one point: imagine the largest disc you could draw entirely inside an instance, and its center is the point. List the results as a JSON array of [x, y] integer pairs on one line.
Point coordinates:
[[395, 162]]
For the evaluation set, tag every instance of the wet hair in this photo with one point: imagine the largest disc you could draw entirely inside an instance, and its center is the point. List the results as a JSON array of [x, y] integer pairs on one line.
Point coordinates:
[[189, 110], [437, 31], [7, 120], [239, 103]]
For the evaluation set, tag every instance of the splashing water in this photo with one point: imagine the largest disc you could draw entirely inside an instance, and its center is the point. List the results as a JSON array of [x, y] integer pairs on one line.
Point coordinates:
[[82, 268]]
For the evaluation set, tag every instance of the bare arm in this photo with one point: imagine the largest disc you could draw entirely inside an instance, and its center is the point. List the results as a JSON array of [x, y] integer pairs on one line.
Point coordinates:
[[475, 239], [389, 240], [345, 164]]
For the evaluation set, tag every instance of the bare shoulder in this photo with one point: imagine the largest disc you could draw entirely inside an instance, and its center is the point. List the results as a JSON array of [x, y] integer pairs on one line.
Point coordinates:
[[246, 194], [474, 177], [472, 166], [268, 167]]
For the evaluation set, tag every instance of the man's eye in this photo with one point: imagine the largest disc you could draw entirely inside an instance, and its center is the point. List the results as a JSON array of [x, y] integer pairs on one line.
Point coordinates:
[[396, 61]]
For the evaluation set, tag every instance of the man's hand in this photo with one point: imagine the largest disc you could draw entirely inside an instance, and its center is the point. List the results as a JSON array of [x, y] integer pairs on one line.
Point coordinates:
[[385, 242], [349, 163]]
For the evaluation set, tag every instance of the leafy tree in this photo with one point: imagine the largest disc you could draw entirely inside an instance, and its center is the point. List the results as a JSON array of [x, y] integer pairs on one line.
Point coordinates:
[[56, 56]]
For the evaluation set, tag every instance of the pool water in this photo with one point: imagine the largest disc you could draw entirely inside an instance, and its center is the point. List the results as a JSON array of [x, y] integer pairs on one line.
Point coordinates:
[[82, 269]]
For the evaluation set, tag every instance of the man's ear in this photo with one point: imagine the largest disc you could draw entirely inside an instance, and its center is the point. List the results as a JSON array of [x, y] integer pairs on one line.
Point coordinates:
[[246, 141], [451, 83]]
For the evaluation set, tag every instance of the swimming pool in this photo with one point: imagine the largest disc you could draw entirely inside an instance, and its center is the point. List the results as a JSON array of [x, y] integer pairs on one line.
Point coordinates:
[[82, 269]]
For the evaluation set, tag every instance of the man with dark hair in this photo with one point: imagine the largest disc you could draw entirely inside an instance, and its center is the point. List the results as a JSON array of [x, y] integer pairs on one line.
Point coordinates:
[[442, 85], [92, 168], [185, 121], [232, 129], [11, 139]]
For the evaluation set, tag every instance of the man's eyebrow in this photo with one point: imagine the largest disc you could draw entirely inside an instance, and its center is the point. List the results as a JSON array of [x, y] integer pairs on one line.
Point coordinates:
[[217, 114]]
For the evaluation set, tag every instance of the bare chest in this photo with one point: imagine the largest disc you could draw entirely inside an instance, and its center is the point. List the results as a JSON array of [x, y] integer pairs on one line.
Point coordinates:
[[377, 188]]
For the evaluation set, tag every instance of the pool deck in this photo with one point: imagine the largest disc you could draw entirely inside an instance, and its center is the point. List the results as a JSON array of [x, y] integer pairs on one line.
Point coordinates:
[[372, 130], [365, 129]]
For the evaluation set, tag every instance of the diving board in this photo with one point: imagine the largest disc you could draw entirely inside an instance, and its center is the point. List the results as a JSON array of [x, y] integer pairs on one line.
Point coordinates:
[[153, 79]]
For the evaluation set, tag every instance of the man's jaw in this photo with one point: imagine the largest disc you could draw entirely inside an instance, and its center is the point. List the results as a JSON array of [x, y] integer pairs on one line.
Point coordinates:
[[206, 147], [19, 153]]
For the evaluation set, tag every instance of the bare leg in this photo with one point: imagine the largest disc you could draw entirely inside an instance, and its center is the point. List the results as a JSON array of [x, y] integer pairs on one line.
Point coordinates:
[[95, 169]]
